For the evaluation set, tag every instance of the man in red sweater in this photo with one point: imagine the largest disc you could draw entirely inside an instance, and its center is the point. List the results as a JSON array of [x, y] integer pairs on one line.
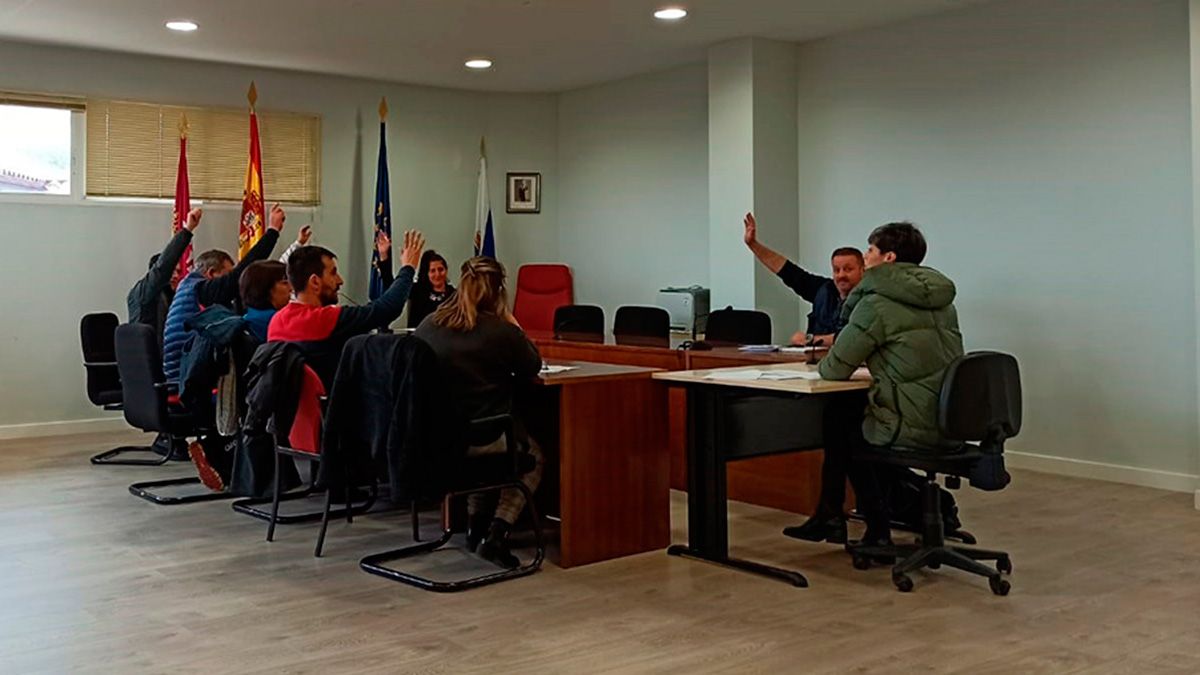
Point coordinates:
[[317, 323]]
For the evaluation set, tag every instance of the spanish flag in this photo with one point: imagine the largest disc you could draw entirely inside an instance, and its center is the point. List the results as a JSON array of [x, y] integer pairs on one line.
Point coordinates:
[[254, 215]]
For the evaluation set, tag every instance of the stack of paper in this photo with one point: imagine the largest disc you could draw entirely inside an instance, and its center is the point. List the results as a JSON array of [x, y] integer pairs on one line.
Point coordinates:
[[758, 348], [548, 369], [770, 375]]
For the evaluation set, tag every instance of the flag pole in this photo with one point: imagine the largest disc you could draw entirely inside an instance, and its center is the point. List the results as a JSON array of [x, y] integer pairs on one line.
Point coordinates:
[[252, 95], [383, 109]]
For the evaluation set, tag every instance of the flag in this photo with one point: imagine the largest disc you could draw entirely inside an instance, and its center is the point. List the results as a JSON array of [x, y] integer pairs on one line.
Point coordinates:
[[183, 200], [485, 239], [254, 217], [383, 203]]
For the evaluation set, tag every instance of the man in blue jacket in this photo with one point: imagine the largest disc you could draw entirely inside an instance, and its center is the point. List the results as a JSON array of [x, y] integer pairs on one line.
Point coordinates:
[[213, 281]]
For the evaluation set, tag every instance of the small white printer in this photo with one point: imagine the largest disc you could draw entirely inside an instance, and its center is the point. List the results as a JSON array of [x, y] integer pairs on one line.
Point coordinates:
[[688, 308]]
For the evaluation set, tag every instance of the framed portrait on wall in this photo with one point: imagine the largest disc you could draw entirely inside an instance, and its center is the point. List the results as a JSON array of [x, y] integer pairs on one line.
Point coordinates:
[[524, 193]]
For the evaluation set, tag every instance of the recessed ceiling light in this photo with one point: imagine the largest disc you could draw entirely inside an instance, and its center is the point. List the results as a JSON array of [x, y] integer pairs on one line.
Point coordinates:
[[182, 26], [670, 13], [478, 64]]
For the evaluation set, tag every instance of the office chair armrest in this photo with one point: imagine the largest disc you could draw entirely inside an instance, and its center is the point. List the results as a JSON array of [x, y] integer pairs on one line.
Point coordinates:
[[99, 364]]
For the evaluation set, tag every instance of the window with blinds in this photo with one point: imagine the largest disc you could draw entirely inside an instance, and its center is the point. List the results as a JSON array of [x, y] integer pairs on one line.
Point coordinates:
[[133, 151]]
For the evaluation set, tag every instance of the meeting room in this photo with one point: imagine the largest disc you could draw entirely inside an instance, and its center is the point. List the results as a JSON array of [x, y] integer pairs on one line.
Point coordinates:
[[637, 336]]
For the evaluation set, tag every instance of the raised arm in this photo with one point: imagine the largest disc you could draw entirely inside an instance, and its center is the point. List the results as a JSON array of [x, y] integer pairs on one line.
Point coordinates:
[[224, 289], [160, 273], [768, 257], [386, 308], [301, 240]]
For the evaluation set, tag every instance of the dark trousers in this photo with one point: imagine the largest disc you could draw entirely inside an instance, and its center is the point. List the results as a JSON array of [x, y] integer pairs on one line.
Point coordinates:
[[843, 433]]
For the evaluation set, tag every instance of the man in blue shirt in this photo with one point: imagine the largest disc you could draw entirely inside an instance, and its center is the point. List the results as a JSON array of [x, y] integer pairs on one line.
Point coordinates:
[[827, 294]]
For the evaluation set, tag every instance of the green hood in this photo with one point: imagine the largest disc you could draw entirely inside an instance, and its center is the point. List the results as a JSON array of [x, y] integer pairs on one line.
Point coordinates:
[[906, 283]]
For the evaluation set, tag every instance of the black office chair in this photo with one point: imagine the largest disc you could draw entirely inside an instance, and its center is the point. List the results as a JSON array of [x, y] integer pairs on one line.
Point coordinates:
[[642, 325], [145, 395], [579, 321], [104, 383], [738, 327], [980, 405], [484, 474]]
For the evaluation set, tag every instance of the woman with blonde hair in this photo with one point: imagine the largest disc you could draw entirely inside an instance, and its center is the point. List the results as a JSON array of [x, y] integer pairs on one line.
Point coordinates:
[[483, 354]]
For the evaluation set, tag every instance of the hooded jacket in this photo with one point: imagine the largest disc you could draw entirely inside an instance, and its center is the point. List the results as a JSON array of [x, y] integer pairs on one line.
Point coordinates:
[[901, 322]]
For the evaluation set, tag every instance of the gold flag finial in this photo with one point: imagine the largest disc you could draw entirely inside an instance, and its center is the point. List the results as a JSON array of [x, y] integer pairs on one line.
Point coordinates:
[[482, 147], [252, 95], [383, 109], [183, 125]]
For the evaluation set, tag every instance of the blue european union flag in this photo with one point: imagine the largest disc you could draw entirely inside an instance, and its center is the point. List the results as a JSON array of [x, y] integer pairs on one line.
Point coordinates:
[[383, 211]]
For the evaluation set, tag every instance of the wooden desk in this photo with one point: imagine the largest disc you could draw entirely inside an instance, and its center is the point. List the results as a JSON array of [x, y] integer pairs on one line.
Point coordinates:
[[605, 428], [789, 482], [732, 420]]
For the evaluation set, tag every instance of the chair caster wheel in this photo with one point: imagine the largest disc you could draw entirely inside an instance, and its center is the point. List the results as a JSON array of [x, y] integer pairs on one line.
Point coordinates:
[[964, 536], [1004, 566], [904, 583], [861, 562], [999, 586]]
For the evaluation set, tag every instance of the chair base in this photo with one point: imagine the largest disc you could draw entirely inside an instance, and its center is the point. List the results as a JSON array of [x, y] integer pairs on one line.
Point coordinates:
[[916, 557], [113, 457], [249, 507], [377, 563], [146, 491], [957, 535]]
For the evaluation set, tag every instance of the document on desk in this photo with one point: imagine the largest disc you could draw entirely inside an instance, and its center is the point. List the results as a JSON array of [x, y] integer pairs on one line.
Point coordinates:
[[800, 350], [753, 374], [763, 349], [548, 369]]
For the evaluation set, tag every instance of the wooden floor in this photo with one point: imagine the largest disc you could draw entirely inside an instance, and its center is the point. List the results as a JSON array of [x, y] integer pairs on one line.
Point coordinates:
[[92, 579]]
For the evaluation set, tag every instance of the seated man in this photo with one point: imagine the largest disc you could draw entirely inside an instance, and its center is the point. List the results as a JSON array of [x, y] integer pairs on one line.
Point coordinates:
[[827, 296], [314, 317], [213, 281], [901, 322], [151, 296]]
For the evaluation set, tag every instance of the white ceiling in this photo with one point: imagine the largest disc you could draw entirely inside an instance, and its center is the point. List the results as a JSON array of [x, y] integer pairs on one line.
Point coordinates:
[[537, 45]]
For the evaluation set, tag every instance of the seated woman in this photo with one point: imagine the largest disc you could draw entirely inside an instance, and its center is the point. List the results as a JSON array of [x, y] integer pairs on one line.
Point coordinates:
[[430, 289], [482, 354], [264, 290]]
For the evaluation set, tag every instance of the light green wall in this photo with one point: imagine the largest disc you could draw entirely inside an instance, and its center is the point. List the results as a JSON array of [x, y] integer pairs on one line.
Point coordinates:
[[633, 215], [62, 261], [1044, 148]]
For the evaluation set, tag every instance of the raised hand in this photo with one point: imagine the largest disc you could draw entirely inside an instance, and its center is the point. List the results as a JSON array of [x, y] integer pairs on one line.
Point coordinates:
[[414, 243], [304, 235], [751, 234], [193, 219], [383, 244], [277, 217]]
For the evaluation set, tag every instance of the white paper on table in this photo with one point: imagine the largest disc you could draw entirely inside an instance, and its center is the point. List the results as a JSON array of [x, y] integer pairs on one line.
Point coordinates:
[[758, 348], [739, 375], [550, 370], [789, 375], [799, 350]]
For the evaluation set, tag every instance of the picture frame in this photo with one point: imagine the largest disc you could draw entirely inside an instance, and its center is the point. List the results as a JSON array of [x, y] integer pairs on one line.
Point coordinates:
[[523, 192]]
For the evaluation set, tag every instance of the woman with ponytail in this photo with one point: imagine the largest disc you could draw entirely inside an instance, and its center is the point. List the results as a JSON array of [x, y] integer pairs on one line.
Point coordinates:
[[483, 354]]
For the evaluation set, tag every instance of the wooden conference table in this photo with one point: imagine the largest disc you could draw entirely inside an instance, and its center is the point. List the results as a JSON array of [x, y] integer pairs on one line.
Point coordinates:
[[790, 482], [736, 419], [604, 432]]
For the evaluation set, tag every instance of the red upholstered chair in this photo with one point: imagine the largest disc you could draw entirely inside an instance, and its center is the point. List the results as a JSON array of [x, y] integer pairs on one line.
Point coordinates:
[[541, 289]]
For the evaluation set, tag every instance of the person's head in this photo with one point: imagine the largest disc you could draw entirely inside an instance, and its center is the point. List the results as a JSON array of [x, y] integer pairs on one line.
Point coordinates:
[[432, 270], [213, 263], [313, 273], [895, 242], [848, 266], [264, 285], [480, 291]]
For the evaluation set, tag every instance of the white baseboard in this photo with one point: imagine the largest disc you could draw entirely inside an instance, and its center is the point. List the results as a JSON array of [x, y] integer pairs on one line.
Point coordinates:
[[65, 428], [1115, 473]]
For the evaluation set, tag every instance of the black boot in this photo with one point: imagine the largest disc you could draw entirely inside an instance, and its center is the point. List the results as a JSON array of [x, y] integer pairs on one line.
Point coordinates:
[[495, 548], [477, 529], [876, 537], [819, 528]]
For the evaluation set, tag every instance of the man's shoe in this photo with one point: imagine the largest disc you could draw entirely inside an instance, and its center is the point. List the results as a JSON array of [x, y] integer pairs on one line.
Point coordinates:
[[208, 475], [819, 528], [495, 548], [873, 538]]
